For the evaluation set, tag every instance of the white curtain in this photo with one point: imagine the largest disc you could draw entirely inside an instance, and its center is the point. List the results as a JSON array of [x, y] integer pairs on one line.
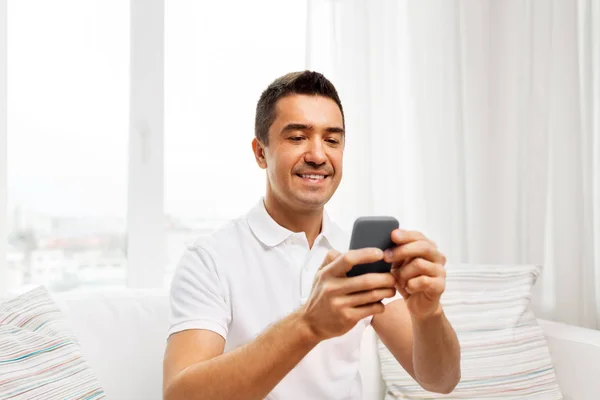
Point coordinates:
[[476, 122]]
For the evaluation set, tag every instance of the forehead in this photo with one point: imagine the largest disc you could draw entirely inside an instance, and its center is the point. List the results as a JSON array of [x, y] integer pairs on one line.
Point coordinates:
[[318, 111]]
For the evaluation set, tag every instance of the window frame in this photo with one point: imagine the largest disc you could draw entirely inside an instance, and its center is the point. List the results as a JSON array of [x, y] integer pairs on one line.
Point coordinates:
[[146, 247], [3, 152]]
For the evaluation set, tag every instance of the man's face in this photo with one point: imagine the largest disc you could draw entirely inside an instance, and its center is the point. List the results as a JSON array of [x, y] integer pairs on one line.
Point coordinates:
[[304, 156]]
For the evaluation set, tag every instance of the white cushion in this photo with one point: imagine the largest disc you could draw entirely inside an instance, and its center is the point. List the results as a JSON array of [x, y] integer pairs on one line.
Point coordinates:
[[504, 351], [39, 355], [123, 336]]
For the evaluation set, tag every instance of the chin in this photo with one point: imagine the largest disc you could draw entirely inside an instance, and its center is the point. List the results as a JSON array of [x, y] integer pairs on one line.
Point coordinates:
[[312, 201]]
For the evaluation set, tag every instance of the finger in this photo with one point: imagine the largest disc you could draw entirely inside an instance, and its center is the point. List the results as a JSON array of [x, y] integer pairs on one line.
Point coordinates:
[[419, 249], [366, 310], [403, 292], [330, 257], [344, 263], [400, 236], [368, 297], [419, 266], [414, 268], [367, 282], [432, 287]]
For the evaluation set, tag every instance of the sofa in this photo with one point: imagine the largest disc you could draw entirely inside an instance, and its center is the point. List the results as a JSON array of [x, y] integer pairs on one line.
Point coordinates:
[[122, 335]]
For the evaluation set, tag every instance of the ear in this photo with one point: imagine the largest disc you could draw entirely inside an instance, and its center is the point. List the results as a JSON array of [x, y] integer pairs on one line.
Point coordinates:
[[259, 153]]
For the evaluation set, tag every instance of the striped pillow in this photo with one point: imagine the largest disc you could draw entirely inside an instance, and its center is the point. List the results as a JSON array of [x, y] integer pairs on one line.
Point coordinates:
[[504, 351], [39, 356]]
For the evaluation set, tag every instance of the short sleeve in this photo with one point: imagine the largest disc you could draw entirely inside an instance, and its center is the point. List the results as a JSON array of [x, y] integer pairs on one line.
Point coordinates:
[[197, 300]]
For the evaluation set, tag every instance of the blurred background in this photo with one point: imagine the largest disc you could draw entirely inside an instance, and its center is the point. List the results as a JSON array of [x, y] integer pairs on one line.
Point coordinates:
[[125, 131]]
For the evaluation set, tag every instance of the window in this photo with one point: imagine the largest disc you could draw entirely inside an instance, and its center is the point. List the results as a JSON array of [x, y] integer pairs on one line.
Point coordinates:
[[219, 57], [67, 134], [85, 140]]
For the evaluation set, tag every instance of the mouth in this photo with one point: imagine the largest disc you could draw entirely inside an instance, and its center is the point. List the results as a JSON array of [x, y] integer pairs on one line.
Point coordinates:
[[312, 178]]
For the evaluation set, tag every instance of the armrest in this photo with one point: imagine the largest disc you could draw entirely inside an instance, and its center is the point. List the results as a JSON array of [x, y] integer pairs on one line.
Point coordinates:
[[575, 353]]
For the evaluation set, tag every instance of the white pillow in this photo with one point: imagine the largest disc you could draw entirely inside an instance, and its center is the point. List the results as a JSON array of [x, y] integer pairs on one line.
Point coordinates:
[[504, 354], [39, 356]]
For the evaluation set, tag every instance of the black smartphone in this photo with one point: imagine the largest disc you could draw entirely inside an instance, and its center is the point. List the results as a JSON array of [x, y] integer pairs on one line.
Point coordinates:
[[372, 232]]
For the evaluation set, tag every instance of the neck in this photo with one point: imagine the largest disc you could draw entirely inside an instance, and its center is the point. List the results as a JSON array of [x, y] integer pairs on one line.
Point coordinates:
[[307, 221]]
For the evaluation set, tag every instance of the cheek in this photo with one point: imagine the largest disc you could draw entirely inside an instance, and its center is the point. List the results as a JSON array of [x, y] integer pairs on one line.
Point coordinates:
[[289, 160], [336, 160], [281, 166]]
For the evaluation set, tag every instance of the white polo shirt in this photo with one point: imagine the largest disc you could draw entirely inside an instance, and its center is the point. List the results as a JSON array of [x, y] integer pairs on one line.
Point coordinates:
[[251, 273]]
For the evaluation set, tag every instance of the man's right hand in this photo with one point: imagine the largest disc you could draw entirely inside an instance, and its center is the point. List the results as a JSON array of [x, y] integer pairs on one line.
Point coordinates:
[[336, 302]]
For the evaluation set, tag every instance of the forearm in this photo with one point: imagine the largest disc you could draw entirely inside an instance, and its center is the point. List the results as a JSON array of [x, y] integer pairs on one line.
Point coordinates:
[[436, 353], [253, 369]]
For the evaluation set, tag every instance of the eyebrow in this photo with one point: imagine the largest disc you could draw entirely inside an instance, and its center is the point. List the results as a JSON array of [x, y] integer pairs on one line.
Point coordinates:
[[305, 127]]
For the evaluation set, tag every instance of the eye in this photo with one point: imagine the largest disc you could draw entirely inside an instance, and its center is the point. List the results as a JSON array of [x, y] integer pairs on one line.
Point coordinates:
[[296, 138], [333, 141]]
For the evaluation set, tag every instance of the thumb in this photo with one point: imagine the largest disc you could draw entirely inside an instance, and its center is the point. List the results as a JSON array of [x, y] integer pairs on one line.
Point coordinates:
[[329, 258], [344, 263]]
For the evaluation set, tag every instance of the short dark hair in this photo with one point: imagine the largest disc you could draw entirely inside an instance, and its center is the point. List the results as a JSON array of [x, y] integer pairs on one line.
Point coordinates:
[[303, 82]]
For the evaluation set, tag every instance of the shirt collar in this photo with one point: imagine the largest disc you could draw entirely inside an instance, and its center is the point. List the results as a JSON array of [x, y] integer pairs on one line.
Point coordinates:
[[271, 234]]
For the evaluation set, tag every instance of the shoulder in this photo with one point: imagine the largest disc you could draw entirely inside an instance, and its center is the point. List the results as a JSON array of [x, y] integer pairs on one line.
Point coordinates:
[[223, 243], [222, 237], [207, 258]]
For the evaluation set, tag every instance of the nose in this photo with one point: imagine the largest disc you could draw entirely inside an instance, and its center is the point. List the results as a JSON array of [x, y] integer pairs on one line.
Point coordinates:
[[315, 154]]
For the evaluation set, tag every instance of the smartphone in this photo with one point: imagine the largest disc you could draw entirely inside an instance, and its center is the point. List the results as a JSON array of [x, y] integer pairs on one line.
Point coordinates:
[[372, 232]]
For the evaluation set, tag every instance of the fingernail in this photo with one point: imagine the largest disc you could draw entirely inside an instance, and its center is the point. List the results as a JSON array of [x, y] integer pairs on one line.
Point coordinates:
[[388, 254]]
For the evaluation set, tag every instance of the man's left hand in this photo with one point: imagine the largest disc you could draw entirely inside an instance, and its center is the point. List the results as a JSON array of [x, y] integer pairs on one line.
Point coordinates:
[[418, 267]]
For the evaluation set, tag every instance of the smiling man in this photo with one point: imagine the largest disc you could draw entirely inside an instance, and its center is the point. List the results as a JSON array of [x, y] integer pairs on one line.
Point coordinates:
[[262, 308]]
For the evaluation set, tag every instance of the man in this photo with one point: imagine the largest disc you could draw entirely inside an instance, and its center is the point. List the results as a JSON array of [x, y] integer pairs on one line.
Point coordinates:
[[263, 308]]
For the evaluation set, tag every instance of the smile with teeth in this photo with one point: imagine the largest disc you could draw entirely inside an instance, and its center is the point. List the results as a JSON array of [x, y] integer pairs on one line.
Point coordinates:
[[312, 176]]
